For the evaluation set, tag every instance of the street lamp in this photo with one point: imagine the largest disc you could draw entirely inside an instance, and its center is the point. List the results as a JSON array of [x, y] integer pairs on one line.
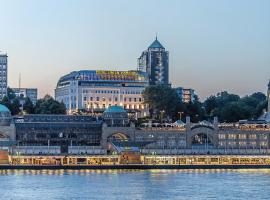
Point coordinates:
[[162, 114], [180, 115]]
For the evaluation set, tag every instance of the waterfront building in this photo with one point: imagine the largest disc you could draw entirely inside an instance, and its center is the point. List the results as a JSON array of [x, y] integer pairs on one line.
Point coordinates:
[[55, 133], [3, 74], [7, 129], [186, 95], [113, 132], [155, 62], [31, 93], [96, 90]]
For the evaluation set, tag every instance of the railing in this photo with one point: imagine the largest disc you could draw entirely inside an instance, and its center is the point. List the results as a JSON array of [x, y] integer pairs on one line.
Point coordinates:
[[206, 151]]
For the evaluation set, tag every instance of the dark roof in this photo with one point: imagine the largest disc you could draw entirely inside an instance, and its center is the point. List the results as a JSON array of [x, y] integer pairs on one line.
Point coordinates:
[[156, 44]]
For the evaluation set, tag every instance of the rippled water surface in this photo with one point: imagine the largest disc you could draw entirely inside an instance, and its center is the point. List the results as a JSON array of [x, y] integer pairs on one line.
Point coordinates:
[[135, 184]]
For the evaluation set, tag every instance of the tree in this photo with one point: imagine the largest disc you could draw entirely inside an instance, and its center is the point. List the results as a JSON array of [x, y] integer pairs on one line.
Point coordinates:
[[28, 106], [161, 98], [195, 111], [6, 102], [10, 94], [15, 107], [48, 105], [12, 104], [210, 104]]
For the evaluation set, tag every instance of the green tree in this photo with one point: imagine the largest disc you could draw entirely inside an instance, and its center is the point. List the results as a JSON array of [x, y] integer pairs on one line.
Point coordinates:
[[15, 107], [161, 98], [10, 94], [28, 106], [48, 105], [6, 102], [195, 111]]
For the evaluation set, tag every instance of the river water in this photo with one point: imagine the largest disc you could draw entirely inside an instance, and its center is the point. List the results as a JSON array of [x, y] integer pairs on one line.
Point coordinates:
[[135, 184]]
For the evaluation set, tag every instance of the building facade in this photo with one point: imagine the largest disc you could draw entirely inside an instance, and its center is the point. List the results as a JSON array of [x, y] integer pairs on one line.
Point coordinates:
[[94, 91], [31, 93], [3, 74], [186, 95], [113, 131], [155, 62], [58, 131]]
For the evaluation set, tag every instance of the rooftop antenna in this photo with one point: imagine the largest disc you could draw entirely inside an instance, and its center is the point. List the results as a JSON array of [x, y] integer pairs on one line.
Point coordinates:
[[156, 35], [19, 80]]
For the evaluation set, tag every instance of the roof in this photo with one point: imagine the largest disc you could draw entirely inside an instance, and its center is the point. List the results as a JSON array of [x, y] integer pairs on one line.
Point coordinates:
[[105, 76], [3, 108], [156, 44], [115, 109]]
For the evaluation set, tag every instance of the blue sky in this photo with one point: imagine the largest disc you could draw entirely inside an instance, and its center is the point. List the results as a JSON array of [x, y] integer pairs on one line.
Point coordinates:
[[214, 45]]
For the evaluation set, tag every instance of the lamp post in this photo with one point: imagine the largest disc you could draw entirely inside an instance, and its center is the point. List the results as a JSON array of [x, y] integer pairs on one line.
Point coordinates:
[[162, 115], [180, 115]]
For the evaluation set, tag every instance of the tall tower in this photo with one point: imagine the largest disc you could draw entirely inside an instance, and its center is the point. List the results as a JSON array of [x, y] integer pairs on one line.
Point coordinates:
[[268, 97], [3, 75], [155, 62]]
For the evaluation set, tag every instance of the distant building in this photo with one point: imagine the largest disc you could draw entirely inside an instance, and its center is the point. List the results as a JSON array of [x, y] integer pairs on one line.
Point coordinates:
[[155, 62], [3, 75], [96, 90], [31, 93], [186, 95], [266, 115]]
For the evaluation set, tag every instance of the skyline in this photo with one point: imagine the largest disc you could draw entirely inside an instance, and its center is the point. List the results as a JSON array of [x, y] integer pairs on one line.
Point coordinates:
[[212, 46]]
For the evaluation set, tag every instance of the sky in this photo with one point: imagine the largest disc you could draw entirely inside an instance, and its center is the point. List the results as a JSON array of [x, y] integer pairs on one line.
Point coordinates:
[[214, 45]]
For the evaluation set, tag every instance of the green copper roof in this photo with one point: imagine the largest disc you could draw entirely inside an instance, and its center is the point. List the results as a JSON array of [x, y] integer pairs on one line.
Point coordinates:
[[115, 109], [3, 108], [156, 44]]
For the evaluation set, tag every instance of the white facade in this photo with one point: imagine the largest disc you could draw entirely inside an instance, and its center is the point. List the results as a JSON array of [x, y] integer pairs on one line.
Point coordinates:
[[97, 95], [3, 75]]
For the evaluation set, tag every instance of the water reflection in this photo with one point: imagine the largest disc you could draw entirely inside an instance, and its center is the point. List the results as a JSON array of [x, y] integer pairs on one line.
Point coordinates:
[[153, 172], [186, 184]]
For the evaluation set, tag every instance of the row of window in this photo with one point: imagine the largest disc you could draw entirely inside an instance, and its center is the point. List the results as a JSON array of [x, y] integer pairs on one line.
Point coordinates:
[[233, 143], [241, 136], [111, 92], [126, 106], [115, 99]]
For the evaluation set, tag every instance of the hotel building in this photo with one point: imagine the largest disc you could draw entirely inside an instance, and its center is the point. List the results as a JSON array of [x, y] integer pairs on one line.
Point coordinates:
[[96, 90], [155, 62], [3, 75]]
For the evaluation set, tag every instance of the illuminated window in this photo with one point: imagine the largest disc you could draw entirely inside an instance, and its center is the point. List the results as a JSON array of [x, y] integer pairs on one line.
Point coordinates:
[[242, 136], [252, 136], [222, 136]]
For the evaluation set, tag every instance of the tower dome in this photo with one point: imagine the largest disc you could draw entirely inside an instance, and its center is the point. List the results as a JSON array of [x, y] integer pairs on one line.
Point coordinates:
[[5, 116]]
